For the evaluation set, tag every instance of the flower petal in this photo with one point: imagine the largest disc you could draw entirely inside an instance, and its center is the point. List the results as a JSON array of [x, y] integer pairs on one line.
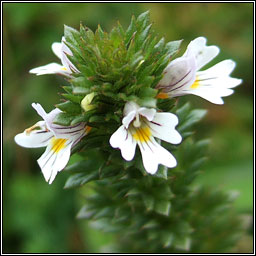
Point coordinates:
[[179, 74], [59, 131], [64, 59], [123, 140], [55, 158], [130, 107], [212, 94], [48, 117], [56, 48], [223, 68], [153, 154], [201, 52], [219, 75], [33, 139], [52, 68], [128, 118], [163, 127], [149, 113]]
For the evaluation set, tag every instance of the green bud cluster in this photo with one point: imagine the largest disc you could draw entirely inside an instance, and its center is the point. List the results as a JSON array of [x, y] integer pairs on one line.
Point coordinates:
[[116, 67]]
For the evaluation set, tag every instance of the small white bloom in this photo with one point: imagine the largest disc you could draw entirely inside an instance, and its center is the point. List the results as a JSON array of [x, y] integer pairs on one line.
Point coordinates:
[[57, 139], [67, 68], [182, 77], [140, 126]]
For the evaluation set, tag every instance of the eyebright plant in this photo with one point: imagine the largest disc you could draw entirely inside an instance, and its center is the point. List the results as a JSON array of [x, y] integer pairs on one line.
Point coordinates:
[[123, 90]]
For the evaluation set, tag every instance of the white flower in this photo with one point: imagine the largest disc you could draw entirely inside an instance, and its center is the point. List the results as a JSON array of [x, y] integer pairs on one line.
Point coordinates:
[[140, 126], [57, 139], [67, 68], [182, 77]]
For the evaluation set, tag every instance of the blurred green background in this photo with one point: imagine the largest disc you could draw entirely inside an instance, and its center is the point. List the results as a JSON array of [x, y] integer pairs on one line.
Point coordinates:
[[40, 218]]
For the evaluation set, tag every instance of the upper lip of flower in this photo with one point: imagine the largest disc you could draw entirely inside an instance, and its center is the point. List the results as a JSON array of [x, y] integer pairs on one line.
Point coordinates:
[[61, 50], [140, 126]]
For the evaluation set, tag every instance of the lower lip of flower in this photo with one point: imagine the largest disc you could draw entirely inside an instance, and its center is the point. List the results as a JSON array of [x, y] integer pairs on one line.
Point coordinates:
[[57, 144]]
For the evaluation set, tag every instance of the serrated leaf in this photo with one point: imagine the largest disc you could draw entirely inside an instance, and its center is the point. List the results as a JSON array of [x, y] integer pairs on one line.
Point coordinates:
[[85, 212], [183, 112], [143, 20], [68, 89], [63, 119], [148, 201], [167, 239], [104, 212], [194, 116], [80, 179], [71, 35], [173, 46], [115, 37], [99, 33], [183, 243], [74, 98], [81, 90], [81, 81], [133, 192], [130, 30], [69, 107], [140, 38], [105, 225], [163, 207], [150, 224], [159, 46], [162, 172], [147, 93]]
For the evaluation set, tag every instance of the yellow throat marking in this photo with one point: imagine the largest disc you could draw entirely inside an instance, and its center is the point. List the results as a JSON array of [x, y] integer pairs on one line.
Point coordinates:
[[58, 144], [142, 134], [162, 95], [196, 84]]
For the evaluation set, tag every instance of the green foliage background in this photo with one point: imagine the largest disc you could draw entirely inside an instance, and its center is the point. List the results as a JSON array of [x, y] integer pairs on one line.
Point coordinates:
[[39, 218]]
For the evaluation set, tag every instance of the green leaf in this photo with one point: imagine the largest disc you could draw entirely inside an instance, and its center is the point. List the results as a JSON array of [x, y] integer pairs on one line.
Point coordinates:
[[167, 239], [74, 98], [63, 119], [86, 212], [69, 107], [183, 243], [80, 179], [195, 116], [140, 38], [159, 46], [143, 20], [163, 207], [133, 192], [147, 93], [81, 81], [173, 47], [148, 201], [115, 37], [71, 35], [81, 90], [162, 172], [130, 31], [150, 224]]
